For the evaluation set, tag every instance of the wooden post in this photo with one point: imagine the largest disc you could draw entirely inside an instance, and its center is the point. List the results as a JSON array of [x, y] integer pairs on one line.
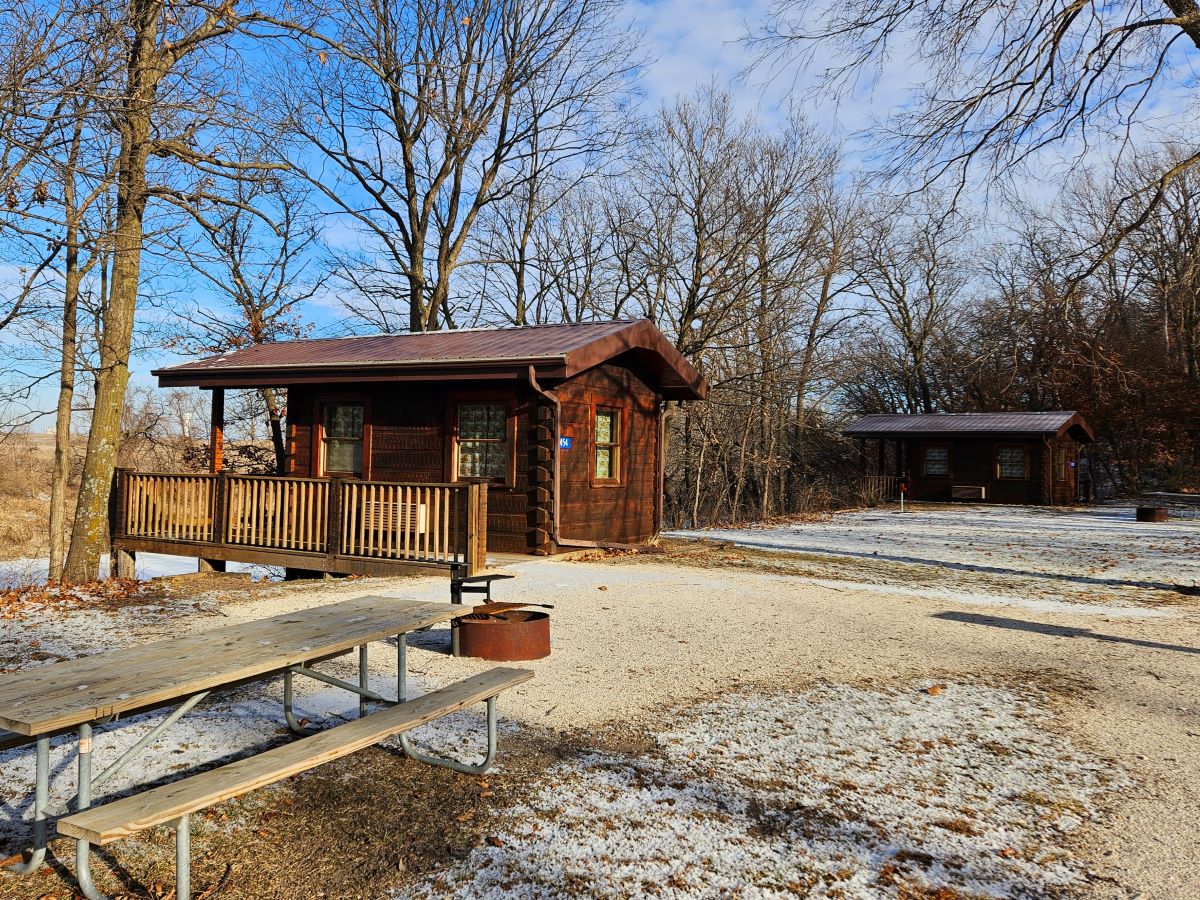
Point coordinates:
[[220, 509], [862, 456], [122, 563], [333, 524], [217, 428], [476, 527]]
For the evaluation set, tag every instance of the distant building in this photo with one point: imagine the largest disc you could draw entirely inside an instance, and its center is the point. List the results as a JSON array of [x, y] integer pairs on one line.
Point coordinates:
[[1011, 457]]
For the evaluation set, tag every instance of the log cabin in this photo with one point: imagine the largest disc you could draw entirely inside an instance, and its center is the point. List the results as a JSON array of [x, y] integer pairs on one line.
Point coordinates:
[[1009, 457], [430, 447]]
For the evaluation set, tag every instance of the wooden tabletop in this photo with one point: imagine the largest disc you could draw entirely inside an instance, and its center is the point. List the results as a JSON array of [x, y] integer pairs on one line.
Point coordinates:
[[62, 695]]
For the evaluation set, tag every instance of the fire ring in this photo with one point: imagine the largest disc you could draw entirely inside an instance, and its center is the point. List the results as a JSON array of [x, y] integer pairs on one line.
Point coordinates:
[[505, 637]]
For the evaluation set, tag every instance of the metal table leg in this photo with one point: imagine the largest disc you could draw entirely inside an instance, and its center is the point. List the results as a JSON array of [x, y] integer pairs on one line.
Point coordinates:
[[454, 764], [83, 849], [41, 810]]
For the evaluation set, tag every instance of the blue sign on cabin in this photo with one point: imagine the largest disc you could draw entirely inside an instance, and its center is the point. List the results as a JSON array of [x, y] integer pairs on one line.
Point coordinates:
[[564, 442]]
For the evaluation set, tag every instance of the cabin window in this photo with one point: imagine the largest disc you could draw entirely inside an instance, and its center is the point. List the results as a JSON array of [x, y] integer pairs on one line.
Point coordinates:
[[1010, 463], [482, 440], [1060, 465], [343, 437], [608, 444], [937, 462]]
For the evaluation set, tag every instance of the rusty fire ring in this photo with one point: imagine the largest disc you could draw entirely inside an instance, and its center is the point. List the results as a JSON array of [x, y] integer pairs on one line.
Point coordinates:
[[505, 637]]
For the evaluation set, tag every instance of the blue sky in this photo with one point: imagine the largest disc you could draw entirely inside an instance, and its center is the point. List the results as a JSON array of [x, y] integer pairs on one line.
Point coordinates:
[[691, 42]]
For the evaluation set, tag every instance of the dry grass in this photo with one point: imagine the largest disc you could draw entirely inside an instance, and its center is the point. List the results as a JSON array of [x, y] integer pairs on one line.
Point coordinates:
[[26, 465]]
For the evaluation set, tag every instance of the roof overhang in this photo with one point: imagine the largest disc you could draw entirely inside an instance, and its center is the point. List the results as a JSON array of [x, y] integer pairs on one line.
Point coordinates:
[[313, 373], [641, 342]]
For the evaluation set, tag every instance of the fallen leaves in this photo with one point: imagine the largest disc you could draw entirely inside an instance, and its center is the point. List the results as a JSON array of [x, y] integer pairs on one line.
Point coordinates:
[[17, 603]]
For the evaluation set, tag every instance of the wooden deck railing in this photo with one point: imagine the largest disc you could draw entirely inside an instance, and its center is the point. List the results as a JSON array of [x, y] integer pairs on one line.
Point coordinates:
[[879, 487], [282, 513], [328, 524]]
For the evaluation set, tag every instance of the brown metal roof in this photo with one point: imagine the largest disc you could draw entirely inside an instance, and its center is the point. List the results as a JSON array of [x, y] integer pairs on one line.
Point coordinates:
[[1015, 424], [555, 351]]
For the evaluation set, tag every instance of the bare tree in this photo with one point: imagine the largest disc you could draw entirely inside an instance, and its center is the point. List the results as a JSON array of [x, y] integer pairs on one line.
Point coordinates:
[[255, 255], [170, 104], [432, 110], [1006, 79], [910, 264]]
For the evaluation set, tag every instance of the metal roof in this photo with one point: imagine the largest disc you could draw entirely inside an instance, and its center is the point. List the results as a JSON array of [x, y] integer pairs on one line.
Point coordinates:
[[553, 350], [1020, 424]]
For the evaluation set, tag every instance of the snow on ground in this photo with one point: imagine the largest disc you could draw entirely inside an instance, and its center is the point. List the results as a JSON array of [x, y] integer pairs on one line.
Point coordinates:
[[1098, 549], [833, 791], [27, 571]]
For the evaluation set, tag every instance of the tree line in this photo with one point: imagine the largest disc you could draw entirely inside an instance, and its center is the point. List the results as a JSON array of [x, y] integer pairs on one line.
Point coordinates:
[[196, 176]]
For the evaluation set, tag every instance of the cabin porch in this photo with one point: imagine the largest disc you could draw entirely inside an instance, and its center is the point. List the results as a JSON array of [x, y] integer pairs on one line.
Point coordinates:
[[334, 525]]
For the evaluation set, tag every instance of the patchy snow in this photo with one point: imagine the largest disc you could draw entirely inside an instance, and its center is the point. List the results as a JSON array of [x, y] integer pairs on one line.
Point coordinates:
[[834, 791], [1065, 550], [27, 571]]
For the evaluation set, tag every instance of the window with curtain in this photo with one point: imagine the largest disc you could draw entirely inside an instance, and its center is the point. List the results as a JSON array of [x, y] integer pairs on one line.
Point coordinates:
[[343, 436], [1010, 462], [608, 444], [482, 440]]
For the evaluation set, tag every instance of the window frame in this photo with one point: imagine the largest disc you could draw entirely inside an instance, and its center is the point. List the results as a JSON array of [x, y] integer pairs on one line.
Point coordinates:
[[502, 398], [1024, 456], [321, 403], [615, 447], [607, 404], [1061, 464], [925, 448]]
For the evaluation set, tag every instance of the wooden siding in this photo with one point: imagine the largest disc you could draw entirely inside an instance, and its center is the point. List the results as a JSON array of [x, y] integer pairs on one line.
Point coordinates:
[[973, 462], [623, 512], [410, 437], [410, 440]]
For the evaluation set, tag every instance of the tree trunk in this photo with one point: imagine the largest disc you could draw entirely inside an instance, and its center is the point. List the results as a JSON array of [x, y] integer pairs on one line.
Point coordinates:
[[90, 532], [66, 399], [275, 417]]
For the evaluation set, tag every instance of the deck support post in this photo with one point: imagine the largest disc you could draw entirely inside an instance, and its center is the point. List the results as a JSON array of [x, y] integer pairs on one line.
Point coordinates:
[[333, 534], [124, 563]]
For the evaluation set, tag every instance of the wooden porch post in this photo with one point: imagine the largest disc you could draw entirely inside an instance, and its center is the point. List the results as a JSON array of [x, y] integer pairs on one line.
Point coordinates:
[[216, 421], [217, 429], [122, 563]]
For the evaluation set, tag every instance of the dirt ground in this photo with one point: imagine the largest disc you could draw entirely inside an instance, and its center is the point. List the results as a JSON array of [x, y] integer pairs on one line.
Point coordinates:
[[640, 639]]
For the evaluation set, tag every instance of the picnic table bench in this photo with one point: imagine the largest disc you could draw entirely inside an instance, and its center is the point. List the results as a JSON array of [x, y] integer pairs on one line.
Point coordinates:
[[79, 694]]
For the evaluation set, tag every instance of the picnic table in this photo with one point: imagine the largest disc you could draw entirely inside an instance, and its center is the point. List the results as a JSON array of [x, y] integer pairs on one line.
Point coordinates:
[[75, 696]]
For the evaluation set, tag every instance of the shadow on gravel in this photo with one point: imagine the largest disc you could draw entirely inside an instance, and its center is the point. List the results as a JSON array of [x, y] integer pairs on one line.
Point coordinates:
[[1056, 630]]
